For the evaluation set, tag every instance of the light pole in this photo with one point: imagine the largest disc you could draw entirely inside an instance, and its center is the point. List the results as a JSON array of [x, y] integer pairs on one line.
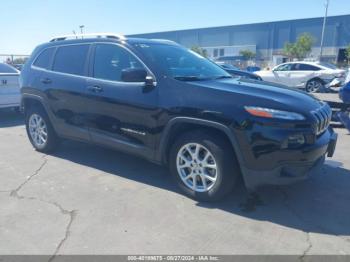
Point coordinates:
[[82, 30], [324, 28]]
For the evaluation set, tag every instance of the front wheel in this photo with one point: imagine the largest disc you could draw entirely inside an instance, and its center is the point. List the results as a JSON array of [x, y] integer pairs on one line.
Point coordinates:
[[40, 131], [313, 86], [203, 165]]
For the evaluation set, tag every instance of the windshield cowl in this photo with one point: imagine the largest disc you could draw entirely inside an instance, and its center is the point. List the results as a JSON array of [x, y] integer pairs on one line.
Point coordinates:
[[198, 78]]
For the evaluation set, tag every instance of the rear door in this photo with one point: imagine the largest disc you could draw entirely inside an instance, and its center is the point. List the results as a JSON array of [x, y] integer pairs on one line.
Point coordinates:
[[301, 73], [9, 86], [64, 87], [121, 114]]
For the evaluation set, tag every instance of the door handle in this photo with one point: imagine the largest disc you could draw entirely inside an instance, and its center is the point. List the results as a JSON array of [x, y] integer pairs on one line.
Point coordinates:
[[46, 81], [95, 89]]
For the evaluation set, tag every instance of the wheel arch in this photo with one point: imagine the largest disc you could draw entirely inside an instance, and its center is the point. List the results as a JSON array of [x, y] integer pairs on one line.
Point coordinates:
[[316, 78], [178, 125], [29, 100]]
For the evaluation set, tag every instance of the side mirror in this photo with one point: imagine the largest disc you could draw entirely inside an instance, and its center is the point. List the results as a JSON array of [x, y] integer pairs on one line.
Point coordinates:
[[150, 81], [134, 75]]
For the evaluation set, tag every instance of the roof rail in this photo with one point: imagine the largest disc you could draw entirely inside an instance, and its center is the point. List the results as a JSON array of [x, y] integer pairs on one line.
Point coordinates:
[[164, 40], [92, 35]]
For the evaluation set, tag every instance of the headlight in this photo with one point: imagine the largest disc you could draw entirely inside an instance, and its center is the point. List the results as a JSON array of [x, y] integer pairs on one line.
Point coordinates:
[[273, 113]]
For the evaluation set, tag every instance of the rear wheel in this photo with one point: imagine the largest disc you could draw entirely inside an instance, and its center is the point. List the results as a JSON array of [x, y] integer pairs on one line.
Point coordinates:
[[203, 165], [40, 131], [313, 86]]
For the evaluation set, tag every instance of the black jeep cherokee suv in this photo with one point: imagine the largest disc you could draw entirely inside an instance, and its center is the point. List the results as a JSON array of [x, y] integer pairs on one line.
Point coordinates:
[[160, 101]]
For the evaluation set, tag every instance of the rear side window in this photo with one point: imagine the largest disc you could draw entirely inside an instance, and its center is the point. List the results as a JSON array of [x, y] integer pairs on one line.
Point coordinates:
[[306, 67], [71, 59], [44, 59], [7, 69]]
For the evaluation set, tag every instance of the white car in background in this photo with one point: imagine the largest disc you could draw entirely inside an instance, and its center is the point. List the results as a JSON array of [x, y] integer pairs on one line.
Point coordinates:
[[310, 76], [10, 96]]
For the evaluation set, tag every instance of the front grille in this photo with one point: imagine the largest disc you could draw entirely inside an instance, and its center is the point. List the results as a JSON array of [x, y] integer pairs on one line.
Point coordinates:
[[323, 117]]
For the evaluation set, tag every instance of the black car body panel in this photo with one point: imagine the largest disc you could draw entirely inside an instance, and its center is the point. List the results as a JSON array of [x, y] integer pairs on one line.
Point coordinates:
[[141, 119], [236, 72], [243, 74]]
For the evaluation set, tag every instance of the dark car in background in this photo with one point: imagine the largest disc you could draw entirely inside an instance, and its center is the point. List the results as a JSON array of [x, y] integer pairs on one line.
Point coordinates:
[[158, 100]]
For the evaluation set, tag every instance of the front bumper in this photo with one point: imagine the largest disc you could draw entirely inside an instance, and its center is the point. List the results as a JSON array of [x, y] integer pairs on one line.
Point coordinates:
[[296, 167]]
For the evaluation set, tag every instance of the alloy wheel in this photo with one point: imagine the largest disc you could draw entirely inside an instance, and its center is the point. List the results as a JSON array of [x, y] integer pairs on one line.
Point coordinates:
[[313, 86], [197, 167], [38, 130]]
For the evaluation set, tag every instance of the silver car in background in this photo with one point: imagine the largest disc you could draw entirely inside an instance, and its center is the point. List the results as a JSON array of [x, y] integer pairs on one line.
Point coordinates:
[[310, 76], [10, 96]]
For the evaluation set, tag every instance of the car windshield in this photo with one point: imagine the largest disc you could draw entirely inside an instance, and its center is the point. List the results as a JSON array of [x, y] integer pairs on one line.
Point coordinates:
[[180, 63], [328, 65], [7, 69]]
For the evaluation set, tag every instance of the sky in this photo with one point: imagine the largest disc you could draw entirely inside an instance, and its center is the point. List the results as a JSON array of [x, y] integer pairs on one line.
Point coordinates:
[[27, 23]]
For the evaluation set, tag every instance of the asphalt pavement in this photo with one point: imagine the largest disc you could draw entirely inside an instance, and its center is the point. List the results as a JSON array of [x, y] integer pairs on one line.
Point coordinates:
[[90, 200]]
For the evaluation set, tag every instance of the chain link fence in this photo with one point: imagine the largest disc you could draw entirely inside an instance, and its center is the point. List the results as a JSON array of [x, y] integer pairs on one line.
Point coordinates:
[[13, 59]]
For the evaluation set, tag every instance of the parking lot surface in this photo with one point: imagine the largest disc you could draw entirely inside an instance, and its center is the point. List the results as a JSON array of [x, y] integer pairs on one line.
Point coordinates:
[[90, 200]]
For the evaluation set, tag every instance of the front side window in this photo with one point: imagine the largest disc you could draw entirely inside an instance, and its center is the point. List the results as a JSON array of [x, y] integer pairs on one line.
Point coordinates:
[[180, 63], [71, 59], [285, 67], [111, 60], [44, 59]]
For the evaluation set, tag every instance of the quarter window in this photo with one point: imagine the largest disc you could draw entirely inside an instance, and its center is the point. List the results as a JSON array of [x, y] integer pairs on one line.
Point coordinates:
[[44, 59], [111, 60], [71, 59]]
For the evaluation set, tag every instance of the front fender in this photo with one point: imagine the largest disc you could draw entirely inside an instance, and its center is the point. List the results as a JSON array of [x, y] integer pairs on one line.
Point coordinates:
[[164, 140]]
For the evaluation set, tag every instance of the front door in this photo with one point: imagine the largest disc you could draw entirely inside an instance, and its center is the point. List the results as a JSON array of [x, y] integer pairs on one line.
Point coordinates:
[[282, 74], [120, 114]]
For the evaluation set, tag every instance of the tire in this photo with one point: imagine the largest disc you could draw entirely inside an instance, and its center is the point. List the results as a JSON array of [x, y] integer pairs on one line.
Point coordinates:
[[221, 154], [50, 141], [314, 85]]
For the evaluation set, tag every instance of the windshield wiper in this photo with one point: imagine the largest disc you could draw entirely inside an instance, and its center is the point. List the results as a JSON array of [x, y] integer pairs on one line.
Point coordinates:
[[190, 78], [223, 77]]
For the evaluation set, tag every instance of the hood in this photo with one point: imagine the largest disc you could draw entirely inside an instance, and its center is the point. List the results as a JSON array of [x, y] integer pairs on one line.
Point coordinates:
[[245, 92]]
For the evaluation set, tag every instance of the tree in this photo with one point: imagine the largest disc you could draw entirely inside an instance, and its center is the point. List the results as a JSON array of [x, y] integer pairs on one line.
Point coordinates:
[[247, 54], [301, 48], [347, 53], [199, 51], [20, 60]]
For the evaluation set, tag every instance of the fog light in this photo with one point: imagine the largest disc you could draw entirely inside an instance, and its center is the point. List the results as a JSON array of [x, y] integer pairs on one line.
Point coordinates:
[[296, 140]]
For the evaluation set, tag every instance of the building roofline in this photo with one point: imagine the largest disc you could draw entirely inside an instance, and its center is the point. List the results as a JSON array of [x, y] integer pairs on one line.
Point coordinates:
[[238, 25]]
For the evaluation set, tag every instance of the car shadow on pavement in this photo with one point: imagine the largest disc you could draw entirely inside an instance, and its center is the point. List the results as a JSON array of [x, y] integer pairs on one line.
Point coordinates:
[[319, 204], [10, 118]]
